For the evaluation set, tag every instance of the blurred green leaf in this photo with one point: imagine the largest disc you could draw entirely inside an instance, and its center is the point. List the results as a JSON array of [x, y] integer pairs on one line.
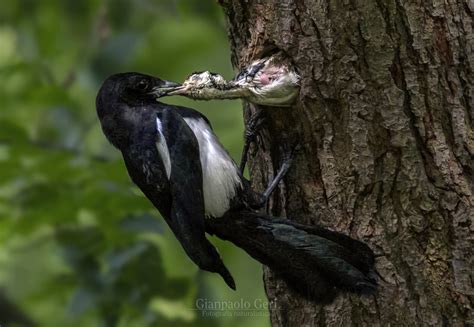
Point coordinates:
[[142, 223]]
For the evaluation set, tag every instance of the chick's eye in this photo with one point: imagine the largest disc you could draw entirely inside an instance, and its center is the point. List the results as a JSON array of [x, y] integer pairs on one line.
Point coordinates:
[[142, 84]]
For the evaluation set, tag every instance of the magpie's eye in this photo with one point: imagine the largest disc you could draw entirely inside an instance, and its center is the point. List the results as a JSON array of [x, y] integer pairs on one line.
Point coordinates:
[[142, 84]]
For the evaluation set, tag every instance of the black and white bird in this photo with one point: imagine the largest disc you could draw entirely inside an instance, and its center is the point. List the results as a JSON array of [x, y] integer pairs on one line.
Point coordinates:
[[174, 157], [270, 81]]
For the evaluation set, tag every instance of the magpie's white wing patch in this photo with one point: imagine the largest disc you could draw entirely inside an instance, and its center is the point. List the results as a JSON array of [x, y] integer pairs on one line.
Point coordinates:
[[163, 148], [219, 172]]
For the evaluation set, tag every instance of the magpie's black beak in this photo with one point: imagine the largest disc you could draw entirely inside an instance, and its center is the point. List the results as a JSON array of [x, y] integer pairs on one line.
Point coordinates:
[[164, 88]]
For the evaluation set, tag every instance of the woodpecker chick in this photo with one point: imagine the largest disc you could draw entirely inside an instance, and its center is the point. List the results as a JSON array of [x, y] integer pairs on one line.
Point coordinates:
[[270, 81], [205, 86]]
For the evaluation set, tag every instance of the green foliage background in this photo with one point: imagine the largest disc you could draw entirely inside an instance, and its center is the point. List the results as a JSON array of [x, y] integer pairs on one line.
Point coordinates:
[[80, 246]]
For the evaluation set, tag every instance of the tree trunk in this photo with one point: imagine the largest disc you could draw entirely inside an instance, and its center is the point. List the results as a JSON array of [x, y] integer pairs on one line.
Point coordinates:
[[384, 120]]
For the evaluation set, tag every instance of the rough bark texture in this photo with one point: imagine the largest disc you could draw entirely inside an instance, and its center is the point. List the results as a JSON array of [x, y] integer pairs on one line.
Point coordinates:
[[385, 120]]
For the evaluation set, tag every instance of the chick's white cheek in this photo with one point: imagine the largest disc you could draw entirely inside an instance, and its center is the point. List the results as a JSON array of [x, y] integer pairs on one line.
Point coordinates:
[[220, 174]]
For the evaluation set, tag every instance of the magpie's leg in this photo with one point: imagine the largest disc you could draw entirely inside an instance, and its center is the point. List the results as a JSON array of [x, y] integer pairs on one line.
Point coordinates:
[[261, 199], [279, 176], [251, 132]]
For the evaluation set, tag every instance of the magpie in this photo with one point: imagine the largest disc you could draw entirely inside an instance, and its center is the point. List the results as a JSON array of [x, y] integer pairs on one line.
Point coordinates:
[[172, 154]]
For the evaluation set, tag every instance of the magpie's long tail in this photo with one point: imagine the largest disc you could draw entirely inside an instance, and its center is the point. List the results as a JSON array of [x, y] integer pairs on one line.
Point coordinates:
[[314, 261]]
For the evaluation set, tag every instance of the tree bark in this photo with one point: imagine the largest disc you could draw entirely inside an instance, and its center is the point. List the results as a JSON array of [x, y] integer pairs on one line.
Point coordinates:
[[384, 120]]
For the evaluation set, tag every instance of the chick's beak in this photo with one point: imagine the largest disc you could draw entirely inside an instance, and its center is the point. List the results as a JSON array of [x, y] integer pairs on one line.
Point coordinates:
[[165, 88]]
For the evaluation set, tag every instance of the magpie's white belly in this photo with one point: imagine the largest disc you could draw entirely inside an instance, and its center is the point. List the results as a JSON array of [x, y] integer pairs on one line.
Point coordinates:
[[219, 172], [220, 175]]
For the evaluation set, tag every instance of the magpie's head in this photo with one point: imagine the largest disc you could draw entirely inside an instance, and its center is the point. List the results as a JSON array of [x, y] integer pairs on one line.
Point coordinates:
[[119, 100], [132, 89]]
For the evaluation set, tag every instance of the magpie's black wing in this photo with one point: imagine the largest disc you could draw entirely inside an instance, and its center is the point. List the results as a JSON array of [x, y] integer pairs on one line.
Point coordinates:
[[185, 183]]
